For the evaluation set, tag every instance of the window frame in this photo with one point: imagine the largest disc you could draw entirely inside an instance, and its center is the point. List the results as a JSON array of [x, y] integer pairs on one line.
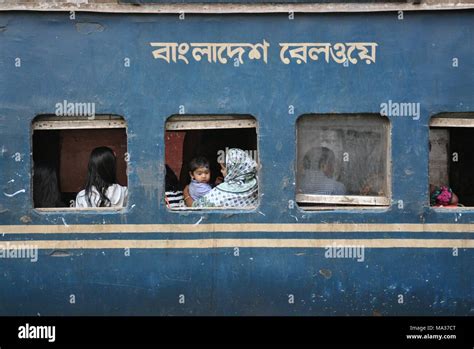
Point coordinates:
[[51, 122], [193, 122], [345, 202], [448, 120]]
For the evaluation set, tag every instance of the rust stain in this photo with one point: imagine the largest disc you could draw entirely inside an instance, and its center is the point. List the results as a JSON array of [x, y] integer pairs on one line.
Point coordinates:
[[326, 273], [25, 219], [60, 253], [89, 27], [147, 174]]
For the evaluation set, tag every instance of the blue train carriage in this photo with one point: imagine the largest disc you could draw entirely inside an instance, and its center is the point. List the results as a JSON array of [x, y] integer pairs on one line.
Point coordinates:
[[356, 114]]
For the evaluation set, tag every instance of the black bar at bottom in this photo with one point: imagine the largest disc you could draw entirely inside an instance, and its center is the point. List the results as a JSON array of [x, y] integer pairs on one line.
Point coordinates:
[[402, 332]]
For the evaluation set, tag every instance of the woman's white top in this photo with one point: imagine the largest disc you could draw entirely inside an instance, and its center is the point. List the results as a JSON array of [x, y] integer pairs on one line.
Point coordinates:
[[116, 193]]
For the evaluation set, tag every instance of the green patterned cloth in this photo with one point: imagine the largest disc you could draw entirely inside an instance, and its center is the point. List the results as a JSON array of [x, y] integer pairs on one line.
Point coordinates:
[[240, 187]]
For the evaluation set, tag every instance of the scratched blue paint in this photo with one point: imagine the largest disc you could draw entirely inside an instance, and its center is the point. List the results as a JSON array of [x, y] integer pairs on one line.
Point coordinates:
[[83, 61], [257, 282]]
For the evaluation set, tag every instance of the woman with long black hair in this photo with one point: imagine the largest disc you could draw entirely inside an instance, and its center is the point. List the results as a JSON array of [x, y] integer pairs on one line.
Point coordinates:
[[102, 189], [46, 191]]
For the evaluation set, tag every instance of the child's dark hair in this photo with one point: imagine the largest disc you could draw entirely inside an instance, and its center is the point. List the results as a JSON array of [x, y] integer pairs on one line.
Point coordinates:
[[198, 161]]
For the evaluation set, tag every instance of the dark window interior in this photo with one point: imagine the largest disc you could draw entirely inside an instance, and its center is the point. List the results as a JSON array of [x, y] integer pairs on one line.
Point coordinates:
[[182, 146], [452, 161], [67, 151], [461, 172]]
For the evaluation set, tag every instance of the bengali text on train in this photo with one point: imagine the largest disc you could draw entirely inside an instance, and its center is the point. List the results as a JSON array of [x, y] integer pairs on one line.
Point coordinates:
[[299, 53]]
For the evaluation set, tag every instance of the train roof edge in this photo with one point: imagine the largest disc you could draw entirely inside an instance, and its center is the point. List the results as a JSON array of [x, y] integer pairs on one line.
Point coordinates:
[[234, 6]]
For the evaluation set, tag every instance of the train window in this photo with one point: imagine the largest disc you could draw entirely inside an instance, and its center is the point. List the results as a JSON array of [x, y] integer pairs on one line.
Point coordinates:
[[61, 150], [342, 161], [206, 141], [451, 160]]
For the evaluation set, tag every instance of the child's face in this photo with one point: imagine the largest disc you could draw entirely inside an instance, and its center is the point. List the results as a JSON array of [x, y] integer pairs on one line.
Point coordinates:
[[201, 174]]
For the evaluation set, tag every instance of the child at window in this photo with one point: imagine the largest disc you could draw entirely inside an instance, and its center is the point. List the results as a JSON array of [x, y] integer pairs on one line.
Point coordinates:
[[200, 176]]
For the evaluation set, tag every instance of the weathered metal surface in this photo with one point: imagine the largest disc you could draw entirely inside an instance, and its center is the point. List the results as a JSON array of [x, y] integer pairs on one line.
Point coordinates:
[[257, 260], [231, 6]]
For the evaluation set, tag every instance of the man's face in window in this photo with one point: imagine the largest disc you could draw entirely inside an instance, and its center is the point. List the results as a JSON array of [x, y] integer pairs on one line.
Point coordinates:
[[328, 169], [326, 162]]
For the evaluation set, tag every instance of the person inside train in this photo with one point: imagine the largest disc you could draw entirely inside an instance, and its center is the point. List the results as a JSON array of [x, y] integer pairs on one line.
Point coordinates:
[[46, 191], [102, 189], [318, 172], [200, 173], [443, 196], [173, 193], [240, 186]]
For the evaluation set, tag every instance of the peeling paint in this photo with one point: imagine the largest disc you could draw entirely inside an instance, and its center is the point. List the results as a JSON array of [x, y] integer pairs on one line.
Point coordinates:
[[89, 27], [326, 273], [147, 173], [60, 253], [285, 182], [25, 219]]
